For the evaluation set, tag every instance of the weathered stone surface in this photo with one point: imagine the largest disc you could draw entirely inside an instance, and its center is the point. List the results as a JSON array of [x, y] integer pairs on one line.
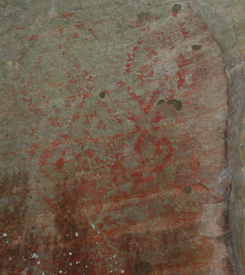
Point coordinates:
[[243, 190], [113, 151]]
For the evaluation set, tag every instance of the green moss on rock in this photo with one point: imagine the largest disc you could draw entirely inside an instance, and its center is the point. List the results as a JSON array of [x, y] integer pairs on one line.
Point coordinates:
[[196, 47], [102, 94], [176, 8], [177, 104]]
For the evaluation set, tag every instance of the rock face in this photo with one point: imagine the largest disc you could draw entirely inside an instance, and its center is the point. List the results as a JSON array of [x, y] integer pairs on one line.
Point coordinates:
[[121, 124]]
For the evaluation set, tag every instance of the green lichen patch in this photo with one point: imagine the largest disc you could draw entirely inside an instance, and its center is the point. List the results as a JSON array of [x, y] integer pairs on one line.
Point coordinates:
[[176, 8], [160, 102], [102, 94], [187, 190], [143, 268], [196, 47], [143, 16], [177, 104]]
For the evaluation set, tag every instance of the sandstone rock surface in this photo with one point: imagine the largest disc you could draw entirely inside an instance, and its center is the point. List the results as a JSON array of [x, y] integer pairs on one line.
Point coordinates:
[[121, 125]]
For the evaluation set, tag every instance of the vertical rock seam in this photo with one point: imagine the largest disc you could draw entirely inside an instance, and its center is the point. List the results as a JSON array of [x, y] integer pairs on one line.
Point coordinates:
[[212, 15]]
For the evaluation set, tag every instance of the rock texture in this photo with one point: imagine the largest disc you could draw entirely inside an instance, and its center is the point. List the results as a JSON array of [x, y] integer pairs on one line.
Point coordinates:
[[120, 137]]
